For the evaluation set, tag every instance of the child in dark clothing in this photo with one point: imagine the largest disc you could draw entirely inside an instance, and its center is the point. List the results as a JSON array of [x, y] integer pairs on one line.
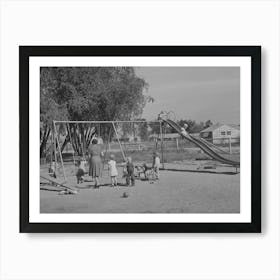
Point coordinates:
[[130, 172], [81, 172], [145, 170]]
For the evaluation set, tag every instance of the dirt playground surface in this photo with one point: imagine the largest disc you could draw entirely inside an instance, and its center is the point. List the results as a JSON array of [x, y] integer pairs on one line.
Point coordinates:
[[213, 191]]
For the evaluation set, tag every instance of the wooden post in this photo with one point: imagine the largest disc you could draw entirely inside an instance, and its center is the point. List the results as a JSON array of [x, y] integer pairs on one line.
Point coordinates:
[[60, 154], [229, 141], [156, 143], [177, 144], [161, 144]]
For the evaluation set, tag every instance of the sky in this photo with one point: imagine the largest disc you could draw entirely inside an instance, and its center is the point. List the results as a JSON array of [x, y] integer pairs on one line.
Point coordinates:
[[198, 93]]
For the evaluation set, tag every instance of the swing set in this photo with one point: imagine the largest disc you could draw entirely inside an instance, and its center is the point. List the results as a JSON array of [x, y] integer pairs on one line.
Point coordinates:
[[80, 135]]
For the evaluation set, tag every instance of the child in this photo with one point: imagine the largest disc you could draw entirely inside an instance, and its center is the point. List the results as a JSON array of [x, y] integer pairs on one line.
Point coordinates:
[[145, 170], [81, 172], [184, 130], [141, 169], [130, 172], [156, 164], [113, 170], [52, 170]]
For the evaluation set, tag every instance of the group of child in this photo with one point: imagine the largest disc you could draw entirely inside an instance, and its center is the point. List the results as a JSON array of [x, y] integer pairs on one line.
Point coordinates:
[[129, 167], [128, 170]]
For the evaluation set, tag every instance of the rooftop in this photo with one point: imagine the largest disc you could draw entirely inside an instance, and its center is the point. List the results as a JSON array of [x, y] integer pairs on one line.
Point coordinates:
[[216, 126]]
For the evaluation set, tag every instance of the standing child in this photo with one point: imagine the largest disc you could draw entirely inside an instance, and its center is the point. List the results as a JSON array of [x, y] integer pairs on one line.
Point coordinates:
[[81, 171], [156, 164], [113, 170], [52, 170], [145, 170], [130, 172]]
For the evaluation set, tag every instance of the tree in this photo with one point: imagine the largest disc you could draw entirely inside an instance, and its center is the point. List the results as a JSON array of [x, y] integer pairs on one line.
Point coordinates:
[[208, 124], [193, 126], [155, 128], [198, 127], [49, 109], [143, 130], [90, 93]]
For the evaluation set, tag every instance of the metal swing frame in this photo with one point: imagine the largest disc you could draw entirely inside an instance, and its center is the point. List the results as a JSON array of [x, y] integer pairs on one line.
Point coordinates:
[[55, 139]]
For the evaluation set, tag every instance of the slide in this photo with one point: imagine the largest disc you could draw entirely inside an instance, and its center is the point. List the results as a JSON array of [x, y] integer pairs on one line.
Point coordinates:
[[202, 145]]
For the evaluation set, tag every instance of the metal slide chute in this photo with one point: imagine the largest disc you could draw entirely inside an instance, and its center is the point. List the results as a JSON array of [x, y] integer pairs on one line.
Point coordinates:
[[201, 144]]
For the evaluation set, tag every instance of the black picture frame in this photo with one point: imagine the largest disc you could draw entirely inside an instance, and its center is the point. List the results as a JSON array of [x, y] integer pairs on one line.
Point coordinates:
[[25, 52]]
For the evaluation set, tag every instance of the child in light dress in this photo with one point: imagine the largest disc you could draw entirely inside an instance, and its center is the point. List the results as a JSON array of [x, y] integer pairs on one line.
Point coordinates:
[[113, 170], [184, 129], [156, 164]]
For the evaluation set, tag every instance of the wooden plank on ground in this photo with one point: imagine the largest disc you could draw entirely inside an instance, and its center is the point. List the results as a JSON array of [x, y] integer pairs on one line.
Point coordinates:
[[56, 182]]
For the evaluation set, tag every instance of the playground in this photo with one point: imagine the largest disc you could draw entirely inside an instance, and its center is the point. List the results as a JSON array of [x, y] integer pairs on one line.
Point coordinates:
[[139, 139], [175, 192], [194, 176]]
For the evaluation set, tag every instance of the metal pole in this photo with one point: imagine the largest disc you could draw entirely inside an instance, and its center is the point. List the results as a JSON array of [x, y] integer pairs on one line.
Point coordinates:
[[105, 122], [123, 155], [70, 138], [60, 154], [54, 148], [161, 144], [51, 159]]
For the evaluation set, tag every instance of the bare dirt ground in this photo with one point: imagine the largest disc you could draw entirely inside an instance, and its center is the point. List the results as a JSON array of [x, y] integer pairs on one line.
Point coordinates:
[[194, 191]]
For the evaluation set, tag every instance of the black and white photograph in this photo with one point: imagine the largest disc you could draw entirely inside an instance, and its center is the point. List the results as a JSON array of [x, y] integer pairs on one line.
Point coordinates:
[[140, 139]]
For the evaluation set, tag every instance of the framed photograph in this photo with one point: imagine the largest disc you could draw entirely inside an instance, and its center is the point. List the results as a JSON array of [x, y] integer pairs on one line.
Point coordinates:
[[152, 139]]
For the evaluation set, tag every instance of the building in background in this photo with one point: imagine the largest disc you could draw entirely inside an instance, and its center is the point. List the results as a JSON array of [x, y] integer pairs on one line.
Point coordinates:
[[221, 133]]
